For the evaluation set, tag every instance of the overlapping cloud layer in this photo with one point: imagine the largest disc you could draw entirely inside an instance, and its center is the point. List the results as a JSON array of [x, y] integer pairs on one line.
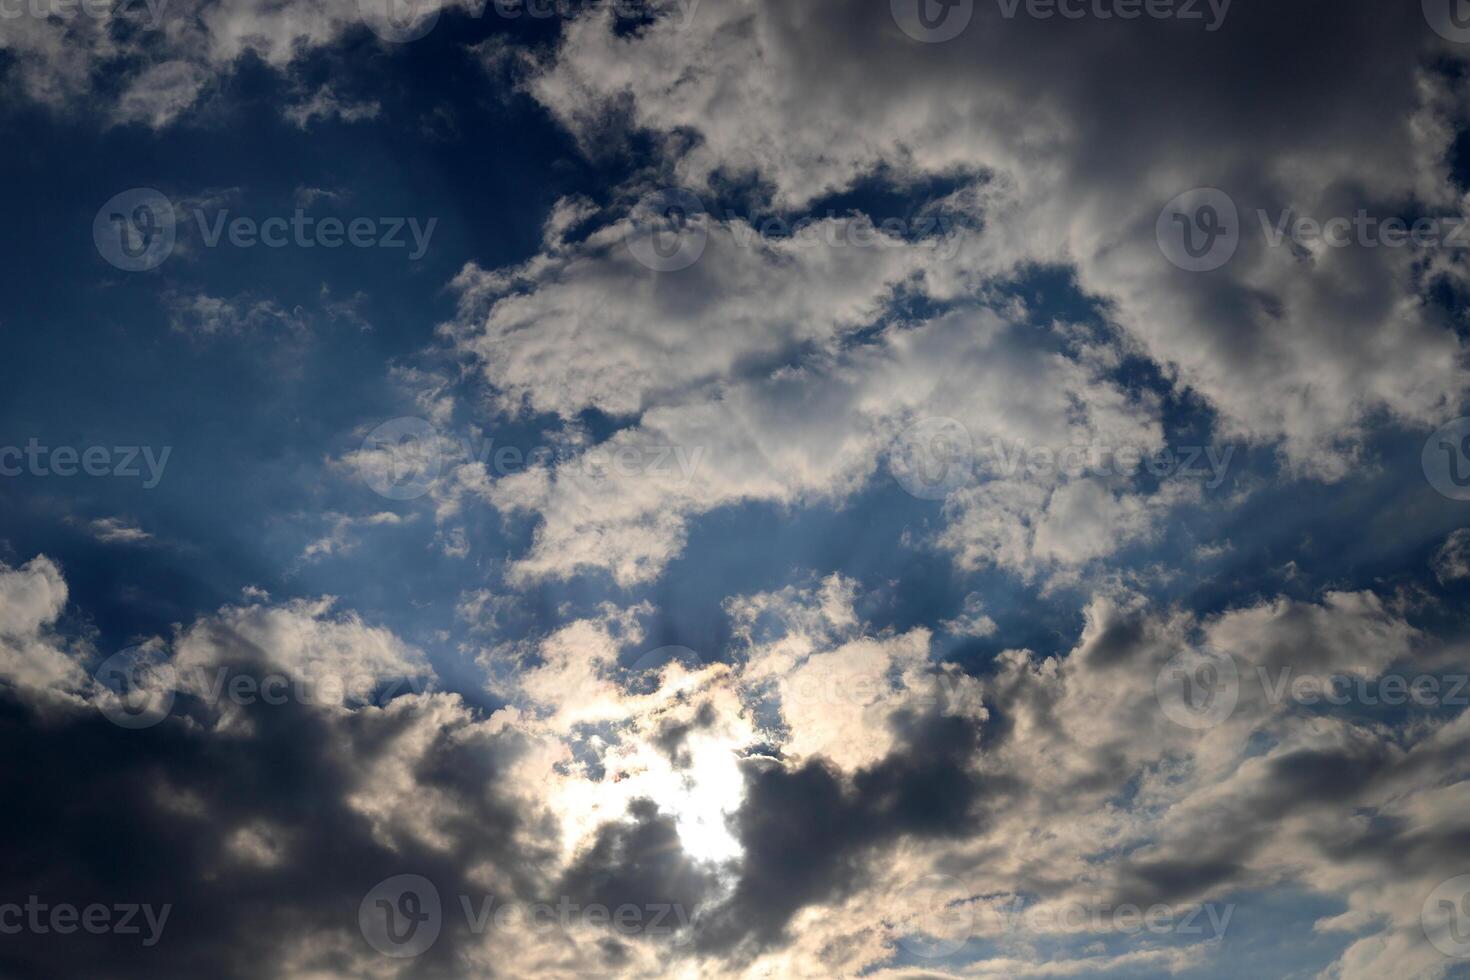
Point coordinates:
[[818, 797], [1294, 348], [859, 780]]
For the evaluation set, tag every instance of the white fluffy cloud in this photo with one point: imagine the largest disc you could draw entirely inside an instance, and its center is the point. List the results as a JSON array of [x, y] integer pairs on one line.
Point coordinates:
[[343, 658], [1452, 560], [585, 325], [1291, 346], [32, 655], [749, 354], [821, 429]]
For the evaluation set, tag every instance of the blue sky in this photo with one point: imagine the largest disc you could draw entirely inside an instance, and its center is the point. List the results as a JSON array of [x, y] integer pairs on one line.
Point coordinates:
[[889, 687]]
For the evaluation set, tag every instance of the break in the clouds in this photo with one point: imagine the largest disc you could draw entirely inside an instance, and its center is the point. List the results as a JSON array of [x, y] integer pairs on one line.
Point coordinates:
[[735, 489]]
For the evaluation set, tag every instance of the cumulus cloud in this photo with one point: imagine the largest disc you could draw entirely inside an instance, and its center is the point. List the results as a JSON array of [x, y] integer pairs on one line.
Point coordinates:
[[160, 93], [203, 315], [795, 795], [747, 298], [117, 530], [32, 655], [1050, 172], [972, 620], [1452, 560], [1296, 347], [821, 431], [340, 539], [303, 639], [791, 793]]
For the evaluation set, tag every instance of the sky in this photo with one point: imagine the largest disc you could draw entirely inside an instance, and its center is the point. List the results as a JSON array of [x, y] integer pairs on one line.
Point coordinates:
[[735, 489]]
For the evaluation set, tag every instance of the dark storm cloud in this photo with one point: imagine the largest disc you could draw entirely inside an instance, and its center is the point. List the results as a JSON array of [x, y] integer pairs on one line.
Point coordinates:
[[672, 735], [1175, 880], [807, 830], [96, 813], [640, 861], [1116, 642], [1312, 784]]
